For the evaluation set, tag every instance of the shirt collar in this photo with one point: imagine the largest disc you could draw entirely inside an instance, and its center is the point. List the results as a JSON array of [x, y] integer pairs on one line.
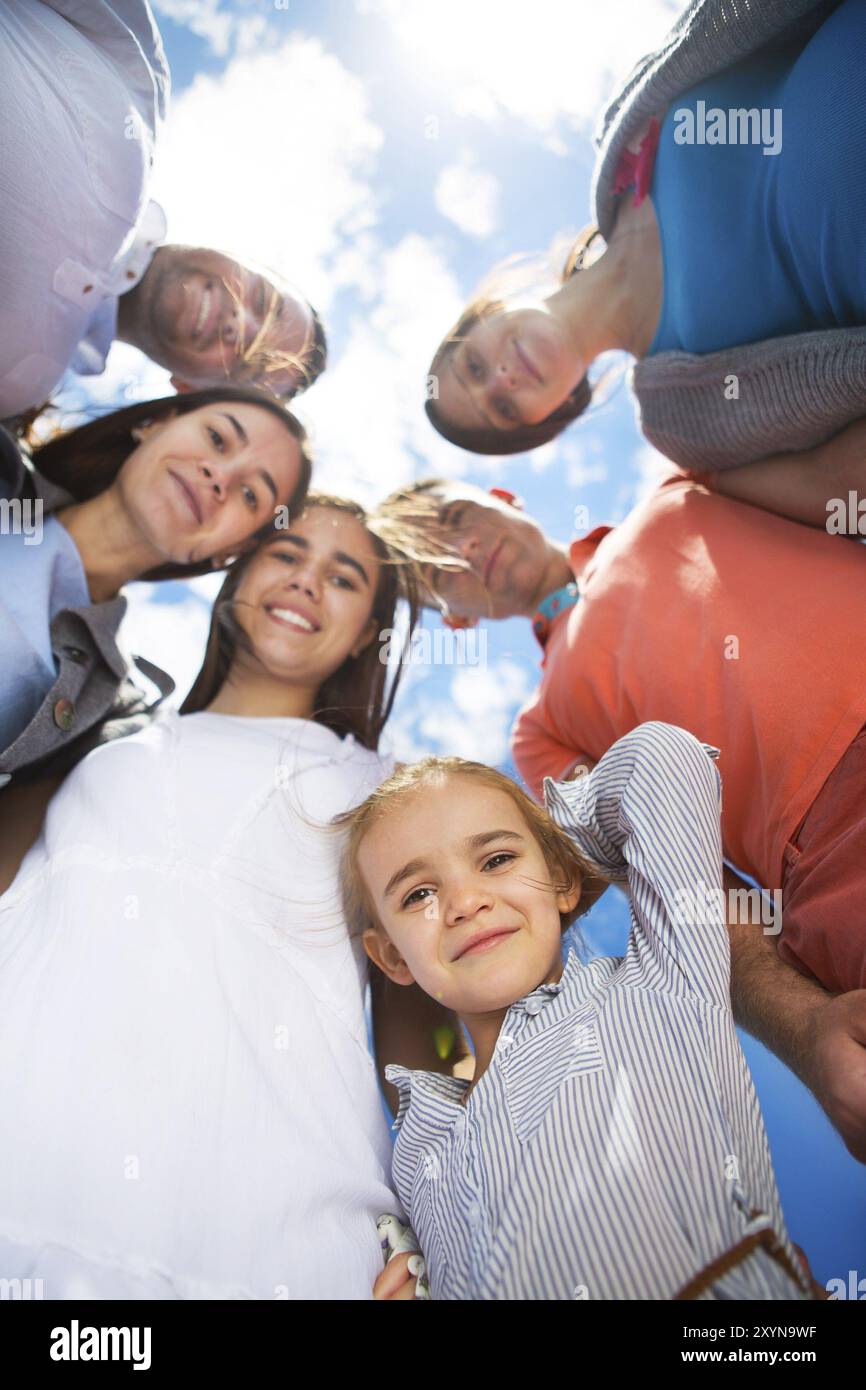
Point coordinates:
[[102, 621], [130, 267], [537, 999], [561, 601], [552, 607]]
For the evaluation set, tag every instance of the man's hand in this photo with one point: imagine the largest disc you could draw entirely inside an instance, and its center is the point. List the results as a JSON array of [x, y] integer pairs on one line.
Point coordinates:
[[820, 1036], [838, 1067], [399, 1278]]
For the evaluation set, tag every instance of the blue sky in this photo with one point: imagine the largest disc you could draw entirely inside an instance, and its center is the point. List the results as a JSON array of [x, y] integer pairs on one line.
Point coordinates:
[[385, 154]]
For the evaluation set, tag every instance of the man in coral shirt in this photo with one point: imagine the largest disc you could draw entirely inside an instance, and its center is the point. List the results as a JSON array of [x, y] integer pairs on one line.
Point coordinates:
[[743, 628]]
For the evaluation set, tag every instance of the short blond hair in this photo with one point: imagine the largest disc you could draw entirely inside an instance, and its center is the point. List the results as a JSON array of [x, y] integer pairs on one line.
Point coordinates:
[[567, 866]]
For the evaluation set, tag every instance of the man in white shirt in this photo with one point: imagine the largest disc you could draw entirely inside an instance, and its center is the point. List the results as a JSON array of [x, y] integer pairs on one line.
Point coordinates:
[[83, 91]]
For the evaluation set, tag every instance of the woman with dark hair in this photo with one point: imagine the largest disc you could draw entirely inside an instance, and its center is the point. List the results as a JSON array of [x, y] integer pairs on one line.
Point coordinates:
[[201, 1117], [158, 490], [731, 276]]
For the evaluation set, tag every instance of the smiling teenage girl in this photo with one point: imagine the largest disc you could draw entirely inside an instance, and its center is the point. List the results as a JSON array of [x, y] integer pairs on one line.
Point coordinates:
[[201, 1117], [162, 489]]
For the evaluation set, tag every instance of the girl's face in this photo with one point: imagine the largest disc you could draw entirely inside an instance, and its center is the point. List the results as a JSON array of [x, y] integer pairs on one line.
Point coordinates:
[[513, 367], [198, 485], [464, 895], [306, 601]]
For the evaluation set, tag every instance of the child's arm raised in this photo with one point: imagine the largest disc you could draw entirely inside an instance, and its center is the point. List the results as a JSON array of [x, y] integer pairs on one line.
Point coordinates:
[[649, 812]]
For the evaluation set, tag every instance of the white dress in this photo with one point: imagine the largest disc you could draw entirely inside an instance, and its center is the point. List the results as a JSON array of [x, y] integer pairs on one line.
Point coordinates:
[[188, 1106]]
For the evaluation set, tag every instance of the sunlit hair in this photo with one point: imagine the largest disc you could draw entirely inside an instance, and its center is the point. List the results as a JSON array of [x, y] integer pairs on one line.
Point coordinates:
[[491, 297], [262, 363], [410, 518], [567, 867], [86, 460], [358, 697]]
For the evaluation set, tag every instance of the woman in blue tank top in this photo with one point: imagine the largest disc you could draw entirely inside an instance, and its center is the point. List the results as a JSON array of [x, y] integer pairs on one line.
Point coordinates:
[[783, 250], [745, 225]]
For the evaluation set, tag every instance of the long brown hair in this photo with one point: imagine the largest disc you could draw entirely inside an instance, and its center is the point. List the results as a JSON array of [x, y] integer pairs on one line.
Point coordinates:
[[487, 301], [358, 697], [86, 460]]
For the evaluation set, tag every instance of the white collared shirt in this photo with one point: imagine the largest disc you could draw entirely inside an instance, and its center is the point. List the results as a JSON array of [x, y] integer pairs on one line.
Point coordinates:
[[83, 90]]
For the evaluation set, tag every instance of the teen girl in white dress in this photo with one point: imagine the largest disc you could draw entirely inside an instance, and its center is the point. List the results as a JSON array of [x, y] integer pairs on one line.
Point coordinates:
[[188, 1106]]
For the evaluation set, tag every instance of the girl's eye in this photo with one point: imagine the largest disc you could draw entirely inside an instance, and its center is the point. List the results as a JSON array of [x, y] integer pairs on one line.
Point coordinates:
[[216, 438], [475, 369], [250, 497], [342, 582], [497, 860], [506, 410], [286, 556], [418, 895]]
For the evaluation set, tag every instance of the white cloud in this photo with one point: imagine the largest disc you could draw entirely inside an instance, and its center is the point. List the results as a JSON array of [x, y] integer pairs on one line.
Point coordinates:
[[583, 465], [473, 721], [469, 197], [551, 67], [207, 18], [369, 430], [272, 159]]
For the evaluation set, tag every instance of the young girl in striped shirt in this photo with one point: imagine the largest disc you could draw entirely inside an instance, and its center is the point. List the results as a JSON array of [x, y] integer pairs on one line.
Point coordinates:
[[610, 1144]]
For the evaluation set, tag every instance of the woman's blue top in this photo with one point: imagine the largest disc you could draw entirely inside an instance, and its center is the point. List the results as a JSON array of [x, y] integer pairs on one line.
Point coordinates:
[[758, 245], [40, 574]]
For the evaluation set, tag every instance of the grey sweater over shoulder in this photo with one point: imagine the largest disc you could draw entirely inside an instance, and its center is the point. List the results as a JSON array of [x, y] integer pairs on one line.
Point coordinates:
[[793, 392]]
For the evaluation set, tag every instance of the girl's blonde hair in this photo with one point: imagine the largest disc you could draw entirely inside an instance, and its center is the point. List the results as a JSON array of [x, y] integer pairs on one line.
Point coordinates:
[[567, 866]]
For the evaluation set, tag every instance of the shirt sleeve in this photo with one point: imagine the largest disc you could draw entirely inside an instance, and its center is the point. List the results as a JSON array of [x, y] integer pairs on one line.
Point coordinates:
[[650, 813], [537, 753]]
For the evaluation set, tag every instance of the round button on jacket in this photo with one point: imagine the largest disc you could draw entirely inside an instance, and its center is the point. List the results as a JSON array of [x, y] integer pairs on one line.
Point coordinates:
[[64, 714]]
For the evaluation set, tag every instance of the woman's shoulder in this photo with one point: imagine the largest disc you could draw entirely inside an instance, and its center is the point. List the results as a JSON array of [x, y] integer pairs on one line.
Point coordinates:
[[344, 771]]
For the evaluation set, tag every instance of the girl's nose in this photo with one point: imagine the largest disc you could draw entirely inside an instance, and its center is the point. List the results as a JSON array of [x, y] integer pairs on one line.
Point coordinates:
[[305, 579], [464, 902]]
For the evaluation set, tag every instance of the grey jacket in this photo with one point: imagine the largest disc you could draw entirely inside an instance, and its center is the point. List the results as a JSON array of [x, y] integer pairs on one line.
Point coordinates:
[[93, 698], [794, 391]]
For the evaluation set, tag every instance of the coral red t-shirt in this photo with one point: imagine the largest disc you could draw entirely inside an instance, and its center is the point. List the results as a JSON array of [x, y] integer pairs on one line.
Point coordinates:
[[743, 627]]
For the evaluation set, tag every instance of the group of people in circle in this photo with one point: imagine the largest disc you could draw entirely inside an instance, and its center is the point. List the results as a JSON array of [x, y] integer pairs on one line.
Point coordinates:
[[194, 900]]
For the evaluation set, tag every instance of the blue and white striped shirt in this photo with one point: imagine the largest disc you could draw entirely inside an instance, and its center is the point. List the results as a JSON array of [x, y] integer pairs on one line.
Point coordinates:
[[614, 1148]]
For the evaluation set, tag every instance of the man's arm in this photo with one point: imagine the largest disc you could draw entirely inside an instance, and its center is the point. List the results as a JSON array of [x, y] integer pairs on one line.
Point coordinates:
[[407, 1027], [800, 485], [820, 1036]]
